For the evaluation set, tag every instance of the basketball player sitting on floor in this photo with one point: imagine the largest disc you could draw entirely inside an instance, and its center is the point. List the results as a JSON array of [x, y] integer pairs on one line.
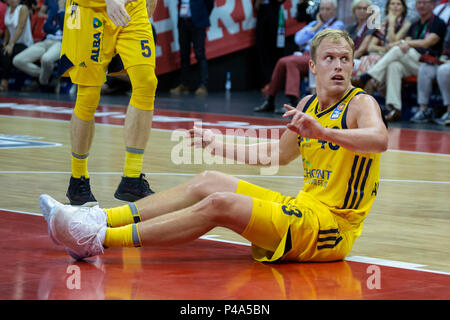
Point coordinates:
[[339, 133]]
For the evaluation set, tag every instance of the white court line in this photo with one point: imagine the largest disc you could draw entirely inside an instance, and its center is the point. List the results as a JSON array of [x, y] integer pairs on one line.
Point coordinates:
[[22, 212], [170, 130], [360, 259], [394, 264], [194, 174]]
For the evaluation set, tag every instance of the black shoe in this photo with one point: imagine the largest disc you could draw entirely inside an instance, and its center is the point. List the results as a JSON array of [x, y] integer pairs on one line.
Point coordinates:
[[79, 192], [132, 189], [393, 115], [265, 107]]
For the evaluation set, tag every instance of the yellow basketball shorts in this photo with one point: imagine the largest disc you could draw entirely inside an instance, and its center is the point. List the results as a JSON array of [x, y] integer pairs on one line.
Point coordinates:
[[91, 41], [293, 228]]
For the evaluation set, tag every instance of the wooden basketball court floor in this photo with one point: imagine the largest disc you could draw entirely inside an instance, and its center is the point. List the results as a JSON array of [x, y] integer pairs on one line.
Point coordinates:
[[403, 252]]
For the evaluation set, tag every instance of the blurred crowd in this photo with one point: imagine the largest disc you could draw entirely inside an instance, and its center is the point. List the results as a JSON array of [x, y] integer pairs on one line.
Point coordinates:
[[397, 42], [392, 47]]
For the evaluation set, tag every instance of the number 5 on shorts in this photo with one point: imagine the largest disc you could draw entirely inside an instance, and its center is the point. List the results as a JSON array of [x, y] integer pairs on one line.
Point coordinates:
[[146, 52]]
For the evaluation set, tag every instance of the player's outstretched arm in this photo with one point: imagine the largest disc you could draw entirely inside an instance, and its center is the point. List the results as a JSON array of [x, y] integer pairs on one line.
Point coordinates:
[[260, 154], [281, 151]]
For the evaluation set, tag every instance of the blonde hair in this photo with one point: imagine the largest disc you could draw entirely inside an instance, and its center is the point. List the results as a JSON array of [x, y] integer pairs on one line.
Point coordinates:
[[334, 35]]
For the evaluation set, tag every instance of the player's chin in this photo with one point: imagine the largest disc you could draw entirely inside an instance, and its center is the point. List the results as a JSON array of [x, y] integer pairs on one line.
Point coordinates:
[[338, 84]]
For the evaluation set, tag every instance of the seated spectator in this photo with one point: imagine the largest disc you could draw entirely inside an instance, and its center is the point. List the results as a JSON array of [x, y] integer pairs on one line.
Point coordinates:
[[49, 49], [289, 70], [431, 70], [393, 29], [443, 80], [359, 31], [17, 38], [424, 39], [3, 7]]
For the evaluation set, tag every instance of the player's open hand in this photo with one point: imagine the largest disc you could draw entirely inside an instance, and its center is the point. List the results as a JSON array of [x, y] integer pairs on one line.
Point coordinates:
[[117, 12], [201, 138], [303, 124]]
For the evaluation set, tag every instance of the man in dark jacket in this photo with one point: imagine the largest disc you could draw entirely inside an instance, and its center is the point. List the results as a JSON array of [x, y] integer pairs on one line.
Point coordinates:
[[266, 33], [193, 19]]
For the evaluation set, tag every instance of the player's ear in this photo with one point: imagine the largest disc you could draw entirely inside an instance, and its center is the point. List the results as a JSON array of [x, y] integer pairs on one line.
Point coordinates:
[[312, 66]]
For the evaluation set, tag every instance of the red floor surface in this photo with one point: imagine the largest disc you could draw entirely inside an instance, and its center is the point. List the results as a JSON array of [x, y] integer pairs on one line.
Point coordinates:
[[35, 268]]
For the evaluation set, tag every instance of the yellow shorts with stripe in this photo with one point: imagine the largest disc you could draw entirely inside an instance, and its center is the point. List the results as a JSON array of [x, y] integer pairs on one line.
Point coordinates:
[[92, 43], [293, 228]]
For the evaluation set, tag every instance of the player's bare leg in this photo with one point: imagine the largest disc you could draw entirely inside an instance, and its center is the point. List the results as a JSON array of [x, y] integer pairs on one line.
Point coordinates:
[[137, 127], [84, 231], [224, 209], [186, 194]]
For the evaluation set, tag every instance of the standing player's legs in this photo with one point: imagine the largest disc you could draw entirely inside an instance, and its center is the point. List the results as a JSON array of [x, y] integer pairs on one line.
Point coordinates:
[[81, 136], [86, 50], [136, 47], [137, 128]]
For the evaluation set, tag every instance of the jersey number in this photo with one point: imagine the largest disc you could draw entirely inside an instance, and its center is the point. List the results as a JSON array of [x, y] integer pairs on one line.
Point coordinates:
[[332, 146], [146, 52], [294, 211]]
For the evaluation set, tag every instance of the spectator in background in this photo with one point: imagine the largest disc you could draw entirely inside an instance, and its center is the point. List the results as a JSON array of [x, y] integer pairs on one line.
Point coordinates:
[[424, 40], [289, 70], [48, 50], [393, 29], [439, 70], [266, 33], [193, 19], [359, 31], [17, 38], [443, 80], [3, 7]]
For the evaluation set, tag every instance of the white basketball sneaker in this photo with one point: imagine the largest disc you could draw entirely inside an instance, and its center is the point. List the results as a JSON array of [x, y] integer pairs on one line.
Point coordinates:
[[48, 206], [80, 229]]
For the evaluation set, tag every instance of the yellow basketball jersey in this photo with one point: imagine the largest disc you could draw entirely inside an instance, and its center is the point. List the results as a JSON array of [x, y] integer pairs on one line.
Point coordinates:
[[344, 181]]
